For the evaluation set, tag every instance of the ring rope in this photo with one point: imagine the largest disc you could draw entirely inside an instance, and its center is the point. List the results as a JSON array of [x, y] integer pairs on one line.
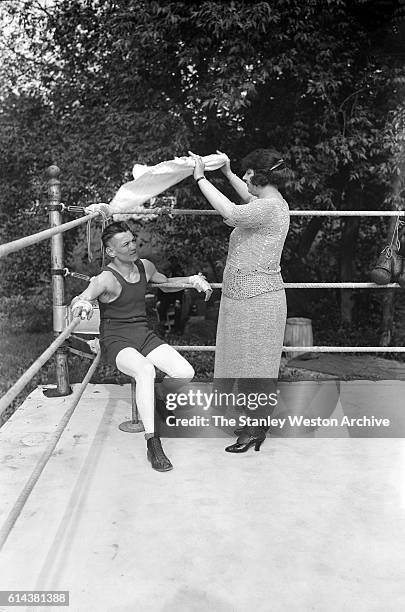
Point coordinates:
[[43, 460], [16, 245], [310, 349], [85, 277], [293, 213], [25, 378]]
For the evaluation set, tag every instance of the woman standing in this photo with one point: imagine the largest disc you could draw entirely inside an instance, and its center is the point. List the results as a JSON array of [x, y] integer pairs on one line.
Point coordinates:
[[253, 307]]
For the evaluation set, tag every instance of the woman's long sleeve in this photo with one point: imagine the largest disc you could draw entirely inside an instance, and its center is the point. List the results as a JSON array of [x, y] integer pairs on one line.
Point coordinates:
[[258, 212]]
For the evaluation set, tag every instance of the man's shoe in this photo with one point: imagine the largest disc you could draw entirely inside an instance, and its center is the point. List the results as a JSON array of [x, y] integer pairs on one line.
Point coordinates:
[[157, 456]]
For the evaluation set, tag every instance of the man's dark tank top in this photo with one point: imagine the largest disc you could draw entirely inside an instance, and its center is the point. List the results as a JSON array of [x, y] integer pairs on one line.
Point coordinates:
[[130, 304]]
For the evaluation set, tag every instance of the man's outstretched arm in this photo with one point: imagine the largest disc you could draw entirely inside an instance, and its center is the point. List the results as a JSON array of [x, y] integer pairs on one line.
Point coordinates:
[[197, 281]]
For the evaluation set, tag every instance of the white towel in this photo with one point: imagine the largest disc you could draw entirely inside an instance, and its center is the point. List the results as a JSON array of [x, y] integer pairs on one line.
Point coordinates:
[[150, 181]]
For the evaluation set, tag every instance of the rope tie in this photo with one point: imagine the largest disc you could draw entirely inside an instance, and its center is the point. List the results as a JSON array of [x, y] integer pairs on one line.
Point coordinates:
[[395, 244], [104, 221], [88, 240], [84, 277], [388, 250]]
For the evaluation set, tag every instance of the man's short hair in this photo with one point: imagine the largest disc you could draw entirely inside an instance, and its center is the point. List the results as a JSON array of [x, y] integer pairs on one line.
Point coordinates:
[[118, 227]]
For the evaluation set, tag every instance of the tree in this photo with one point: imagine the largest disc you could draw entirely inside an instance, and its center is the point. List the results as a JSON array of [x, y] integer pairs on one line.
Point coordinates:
[[143, 80]]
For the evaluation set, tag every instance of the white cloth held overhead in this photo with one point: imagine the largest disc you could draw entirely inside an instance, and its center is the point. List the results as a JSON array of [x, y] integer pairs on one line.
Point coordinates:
[[150, 181]]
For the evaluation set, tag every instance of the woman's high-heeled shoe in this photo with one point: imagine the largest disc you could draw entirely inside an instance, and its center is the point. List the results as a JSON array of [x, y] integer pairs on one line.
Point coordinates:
[[245, 441]]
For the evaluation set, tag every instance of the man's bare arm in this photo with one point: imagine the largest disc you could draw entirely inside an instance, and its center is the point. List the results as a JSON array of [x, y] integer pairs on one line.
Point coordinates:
[[197, 281], [81, 304]]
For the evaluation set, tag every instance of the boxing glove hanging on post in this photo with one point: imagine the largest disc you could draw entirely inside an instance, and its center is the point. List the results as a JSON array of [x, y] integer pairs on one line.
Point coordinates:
[[389, 267]]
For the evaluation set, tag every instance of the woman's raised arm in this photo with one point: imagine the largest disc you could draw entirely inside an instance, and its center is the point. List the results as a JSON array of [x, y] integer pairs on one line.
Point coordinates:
[[236, 182], [217, 199]]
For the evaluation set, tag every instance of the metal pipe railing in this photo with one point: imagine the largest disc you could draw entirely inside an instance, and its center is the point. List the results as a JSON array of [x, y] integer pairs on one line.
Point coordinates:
[[336, 285], [295, 285], [21, 243], [33, 479], [347, 213], [12, 393], [293, 213], [26, 241], [309, 349], [340, 286]]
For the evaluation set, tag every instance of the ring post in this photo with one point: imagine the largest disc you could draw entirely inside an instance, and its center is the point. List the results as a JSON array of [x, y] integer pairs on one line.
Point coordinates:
[[58, 285], [135, 425]]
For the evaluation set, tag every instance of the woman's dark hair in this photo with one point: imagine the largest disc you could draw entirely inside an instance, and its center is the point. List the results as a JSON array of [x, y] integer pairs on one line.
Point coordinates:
[[118, 227], [269, 167]]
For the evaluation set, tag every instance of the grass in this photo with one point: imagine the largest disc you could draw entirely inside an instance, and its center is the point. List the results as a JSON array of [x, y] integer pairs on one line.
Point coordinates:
[[20, 348]]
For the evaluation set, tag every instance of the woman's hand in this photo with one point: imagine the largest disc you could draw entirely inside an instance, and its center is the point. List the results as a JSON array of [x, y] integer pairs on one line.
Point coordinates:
[[199, 165], [226, 168]]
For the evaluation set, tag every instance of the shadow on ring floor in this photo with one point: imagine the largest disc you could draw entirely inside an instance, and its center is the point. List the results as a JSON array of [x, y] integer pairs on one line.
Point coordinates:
[[305, 524]]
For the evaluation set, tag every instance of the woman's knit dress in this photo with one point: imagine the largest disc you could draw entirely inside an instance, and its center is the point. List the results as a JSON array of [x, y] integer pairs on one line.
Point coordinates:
[[253, 309]]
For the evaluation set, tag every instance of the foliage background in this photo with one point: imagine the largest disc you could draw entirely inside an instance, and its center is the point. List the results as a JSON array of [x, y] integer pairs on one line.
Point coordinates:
[[97, 85]]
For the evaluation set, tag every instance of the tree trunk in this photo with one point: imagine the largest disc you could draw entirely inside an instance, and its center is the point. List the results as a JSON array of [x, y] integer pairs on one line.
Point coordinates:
[[387, 320], [309, 236], [299, 301], [350, 234], [213, 267]]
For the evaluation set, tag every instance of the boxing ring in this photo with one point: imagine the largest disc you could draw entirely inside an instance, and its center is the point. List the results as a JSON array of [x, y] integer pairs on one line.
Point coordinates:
[[63, 326]]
